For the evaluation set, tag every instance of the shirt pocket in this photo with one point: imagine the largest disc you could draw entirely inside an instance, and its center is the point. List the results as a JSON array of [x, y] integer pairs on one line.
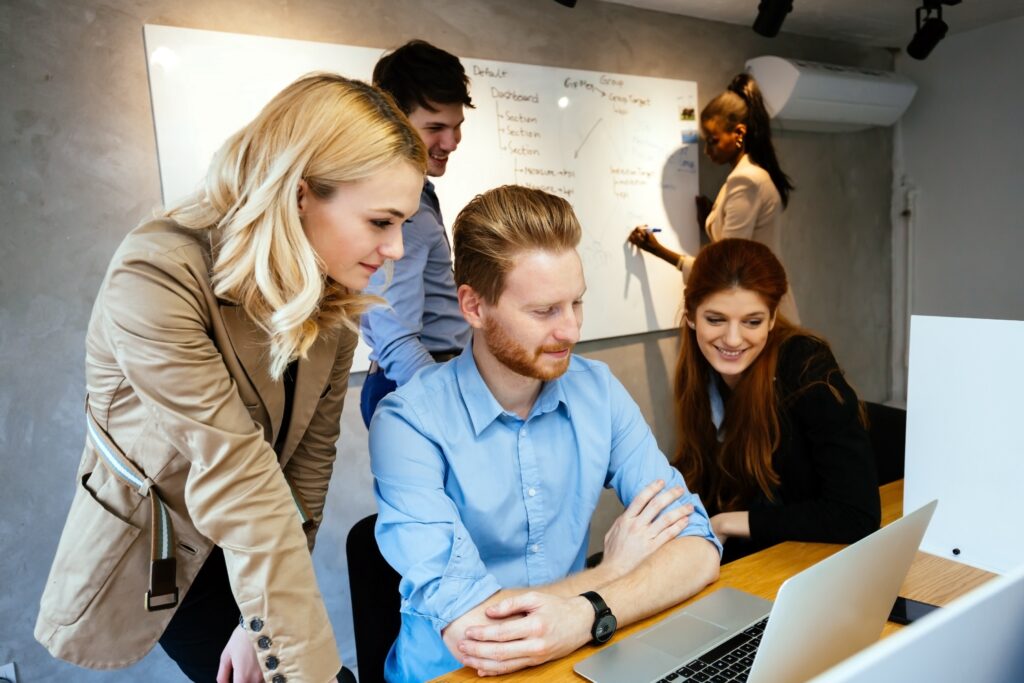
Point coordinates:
[[92, 545]]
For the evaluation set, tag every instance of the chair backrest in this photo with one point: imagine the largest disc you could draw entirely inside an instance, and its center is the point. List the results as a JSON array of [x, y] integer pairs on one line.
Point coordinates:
[[887, 428], [375, 600]]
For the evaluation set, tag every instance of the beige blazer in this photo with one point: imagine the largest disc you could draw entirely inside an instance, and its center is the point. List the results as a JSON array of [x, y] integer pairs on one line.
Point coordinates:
[[179, 379], [749, 207]]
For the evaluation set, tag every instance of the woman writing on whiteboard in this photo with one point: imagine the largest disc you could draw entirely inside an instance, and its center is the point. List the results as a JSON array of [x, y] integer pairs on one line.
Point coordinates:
[[217, 360], [771, 434], [737, 131]]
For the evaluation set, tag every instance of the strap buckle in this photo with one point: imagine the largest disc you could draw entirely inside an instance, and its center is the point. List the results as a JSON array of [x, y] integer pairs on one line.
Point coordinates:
[[162, 593], [167, 601]]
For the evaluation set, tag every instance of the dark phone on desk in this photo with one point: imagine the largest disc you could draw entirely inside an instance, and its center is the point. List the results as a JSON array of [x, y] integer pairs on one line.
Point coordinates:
[[907, 611]]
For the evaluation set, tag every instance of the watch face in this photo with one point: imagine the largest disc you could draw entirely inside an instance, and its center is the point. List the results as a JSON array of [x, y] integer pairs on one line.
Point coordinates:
[[604, 628]]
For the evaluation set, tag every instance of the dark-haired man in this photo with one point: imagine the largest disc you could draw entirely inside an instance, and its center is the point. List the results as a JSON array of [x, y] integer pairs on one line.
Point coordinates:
[[423, 324]]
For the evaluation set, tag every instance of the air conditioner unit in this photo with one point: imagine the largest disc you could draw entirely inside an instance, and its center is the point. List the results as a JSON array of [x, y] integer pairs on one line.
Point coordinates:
[[802, 95]]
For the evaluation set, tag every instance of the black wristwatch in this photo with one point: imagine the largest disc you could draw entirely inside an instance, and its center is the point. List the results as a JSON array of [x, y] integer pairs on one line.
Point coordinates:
[[605, 622]]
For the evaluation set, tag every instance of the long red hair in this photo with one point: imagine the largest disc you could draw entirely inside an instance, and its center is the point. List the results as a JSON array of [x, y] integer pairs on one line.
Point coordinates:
[[728, 474]]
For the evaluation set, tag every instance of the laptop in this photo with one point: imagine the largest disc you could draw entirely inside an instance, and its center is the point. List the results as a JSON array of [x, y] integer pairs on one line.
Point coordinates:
[[977, 635], [820, 617]]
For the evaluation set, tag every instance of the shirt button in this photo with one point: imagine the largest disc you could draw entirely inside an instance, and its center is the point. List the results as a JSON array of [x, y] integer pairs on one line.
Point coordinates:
[[279, 679], [256, 624], [272, 662], [264, 642], [534, 548], [532, 492]]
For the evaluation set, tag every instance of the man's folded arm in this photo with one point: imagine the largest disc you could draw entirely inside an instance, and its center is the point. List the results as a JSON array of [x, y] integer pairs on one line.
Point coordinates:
[[517, 628], [419, 530], [678, 570]]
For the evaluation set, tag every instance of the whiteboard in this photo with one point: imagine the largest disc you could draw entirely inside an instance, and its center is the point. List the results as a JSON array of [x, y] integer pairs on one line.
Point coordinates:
[[622, 149], [964, 412]]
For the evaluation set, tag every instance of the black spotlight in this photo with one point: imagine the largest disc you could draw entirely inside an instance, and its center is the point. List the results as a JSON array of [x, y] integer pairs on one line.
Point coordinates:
[[770, 15], [930, 28], [567, 3]]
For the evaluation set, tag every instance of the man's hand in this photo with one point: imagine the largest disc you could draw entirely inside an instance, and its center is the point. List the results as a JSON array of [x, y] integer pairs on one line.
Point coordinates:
[[238, 663], [529, 629], [644, 527]]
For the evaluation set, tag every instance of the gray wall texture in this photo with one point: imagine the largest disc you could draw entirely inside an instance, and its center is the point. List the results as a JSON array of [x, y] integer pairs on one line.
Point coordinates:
[[79, 169], [967, 227]]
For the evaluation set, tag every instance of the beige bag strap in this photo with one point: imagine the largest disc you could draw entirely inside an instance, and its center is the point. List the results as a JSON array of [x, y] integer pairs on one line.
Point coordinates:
[[163, 592]]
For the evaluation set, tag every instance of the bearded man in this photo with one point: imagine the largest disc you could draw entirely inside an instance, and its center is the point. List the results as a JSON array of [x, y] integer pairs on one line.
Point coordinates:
[[488, 468]]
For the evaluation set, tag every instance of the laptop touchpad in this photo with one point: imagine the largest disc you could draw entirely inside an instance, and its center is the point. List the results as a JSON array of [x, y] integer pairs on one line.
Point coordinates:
[[682, 635]]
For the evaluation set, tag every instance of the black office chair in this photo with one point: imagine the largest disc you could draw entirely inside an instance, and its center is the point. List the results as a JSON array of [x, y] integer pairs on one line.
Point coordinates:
[[887, 428], [375, 600]]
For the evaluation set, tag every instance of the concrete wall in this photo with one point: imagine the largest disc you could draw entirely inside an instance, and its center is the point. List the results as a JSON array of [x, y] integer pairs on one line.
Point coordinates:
[[961, 152], [79, 169]]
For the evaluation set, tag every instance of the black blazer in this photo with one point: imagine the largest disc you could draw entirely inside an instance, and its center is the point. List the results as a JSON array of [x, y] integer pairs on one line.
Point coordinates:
[[828, 489]]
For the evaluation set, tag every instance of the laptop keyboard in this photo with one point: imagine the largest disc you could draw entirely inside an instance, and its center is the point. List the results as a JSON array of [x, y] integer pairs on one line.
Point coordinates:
[[730, 661]]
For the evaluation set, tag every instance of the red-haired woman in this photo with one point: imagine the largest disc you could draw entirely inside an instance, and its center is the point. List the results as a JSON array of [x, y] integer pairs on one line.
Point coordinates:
[[771, 434]]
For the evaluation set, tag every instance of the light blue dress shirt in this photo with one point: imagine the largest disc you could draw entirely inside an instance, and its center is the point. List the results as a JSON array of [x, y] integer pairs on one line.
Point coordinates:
[[472, 498], [424, 311]]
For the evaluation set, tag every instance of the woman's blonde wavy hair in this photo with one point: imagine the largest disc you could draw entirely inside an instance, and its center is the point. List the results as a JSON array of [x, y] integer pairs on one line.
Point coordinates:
[[324, 129]]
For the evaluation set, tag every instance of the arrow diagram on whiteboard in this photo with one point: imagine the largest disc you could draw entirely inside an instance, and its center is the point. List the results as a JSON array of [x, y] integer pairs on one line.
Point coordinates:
[[586, 137]]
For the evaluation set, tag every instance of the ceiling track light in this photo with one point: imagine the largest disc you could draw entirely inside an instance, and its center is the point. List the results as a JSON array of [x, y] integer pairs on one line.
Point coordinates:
[[770, 15], [931, 29], [567, 3]]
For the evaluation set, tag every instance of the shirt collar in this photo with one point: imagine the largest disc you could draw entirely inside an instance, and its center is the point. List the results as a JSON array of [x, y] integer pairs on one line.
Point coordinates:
[[717, 405], [431, 196], [552, 395], [480, 403]]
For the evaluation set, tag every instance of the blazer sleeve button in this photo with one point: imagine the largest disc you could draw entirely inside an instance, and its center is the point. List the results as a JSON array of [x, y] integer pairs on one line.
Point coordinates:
[[272, 662], [256, 624], [278, 679], [264, 642]]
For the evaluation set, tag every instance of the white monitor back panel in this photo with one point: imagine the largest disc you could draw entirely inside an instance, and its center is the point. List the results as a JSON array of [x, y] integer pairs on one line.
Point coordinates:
[[965, 412]]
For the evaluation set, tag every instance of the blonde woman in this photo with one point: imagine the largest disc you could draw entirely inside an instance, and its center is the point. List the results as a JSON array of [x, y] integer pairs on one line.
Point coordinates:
[[217, 360]]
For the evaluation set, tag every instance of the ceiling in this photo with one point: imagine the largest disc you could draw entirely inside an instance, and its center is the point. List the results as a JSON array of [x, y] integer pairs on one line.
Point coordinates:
[[879, 23]]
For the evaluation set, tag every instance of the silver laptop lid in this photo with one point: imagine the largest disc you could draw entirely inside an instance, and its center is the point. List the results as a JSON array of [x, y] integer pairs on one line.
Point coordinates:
[[839, 606], [978, 635], [820, 617]]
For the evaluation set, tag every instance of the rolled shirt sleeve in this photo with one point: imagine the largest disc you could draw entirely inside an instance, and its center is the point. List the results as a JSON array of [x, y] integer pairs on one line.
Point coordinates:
[[636, 461], [419, 530]]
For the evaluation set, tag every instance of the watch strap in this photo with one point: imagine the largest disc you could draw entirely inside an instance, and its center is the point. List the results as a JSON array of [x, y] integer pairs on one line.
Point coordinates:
[[605, 623], [597, 602]]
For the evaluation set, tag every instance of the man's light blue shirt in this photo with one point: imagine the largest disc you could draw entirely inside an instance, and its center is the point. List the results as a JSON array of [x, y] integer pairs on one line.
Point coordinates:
[[424, 315], [472, 498]]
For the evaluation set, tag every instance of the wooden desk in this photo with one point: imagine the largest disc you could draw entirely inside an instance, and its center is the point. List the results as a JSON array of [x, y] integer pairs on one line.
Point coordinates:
[[931, 579]]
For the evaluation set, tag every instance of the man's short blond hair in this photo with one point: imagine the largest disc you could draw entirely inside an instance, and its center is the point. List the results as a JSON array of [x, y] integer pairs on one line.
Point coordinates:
[[500, 224]]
